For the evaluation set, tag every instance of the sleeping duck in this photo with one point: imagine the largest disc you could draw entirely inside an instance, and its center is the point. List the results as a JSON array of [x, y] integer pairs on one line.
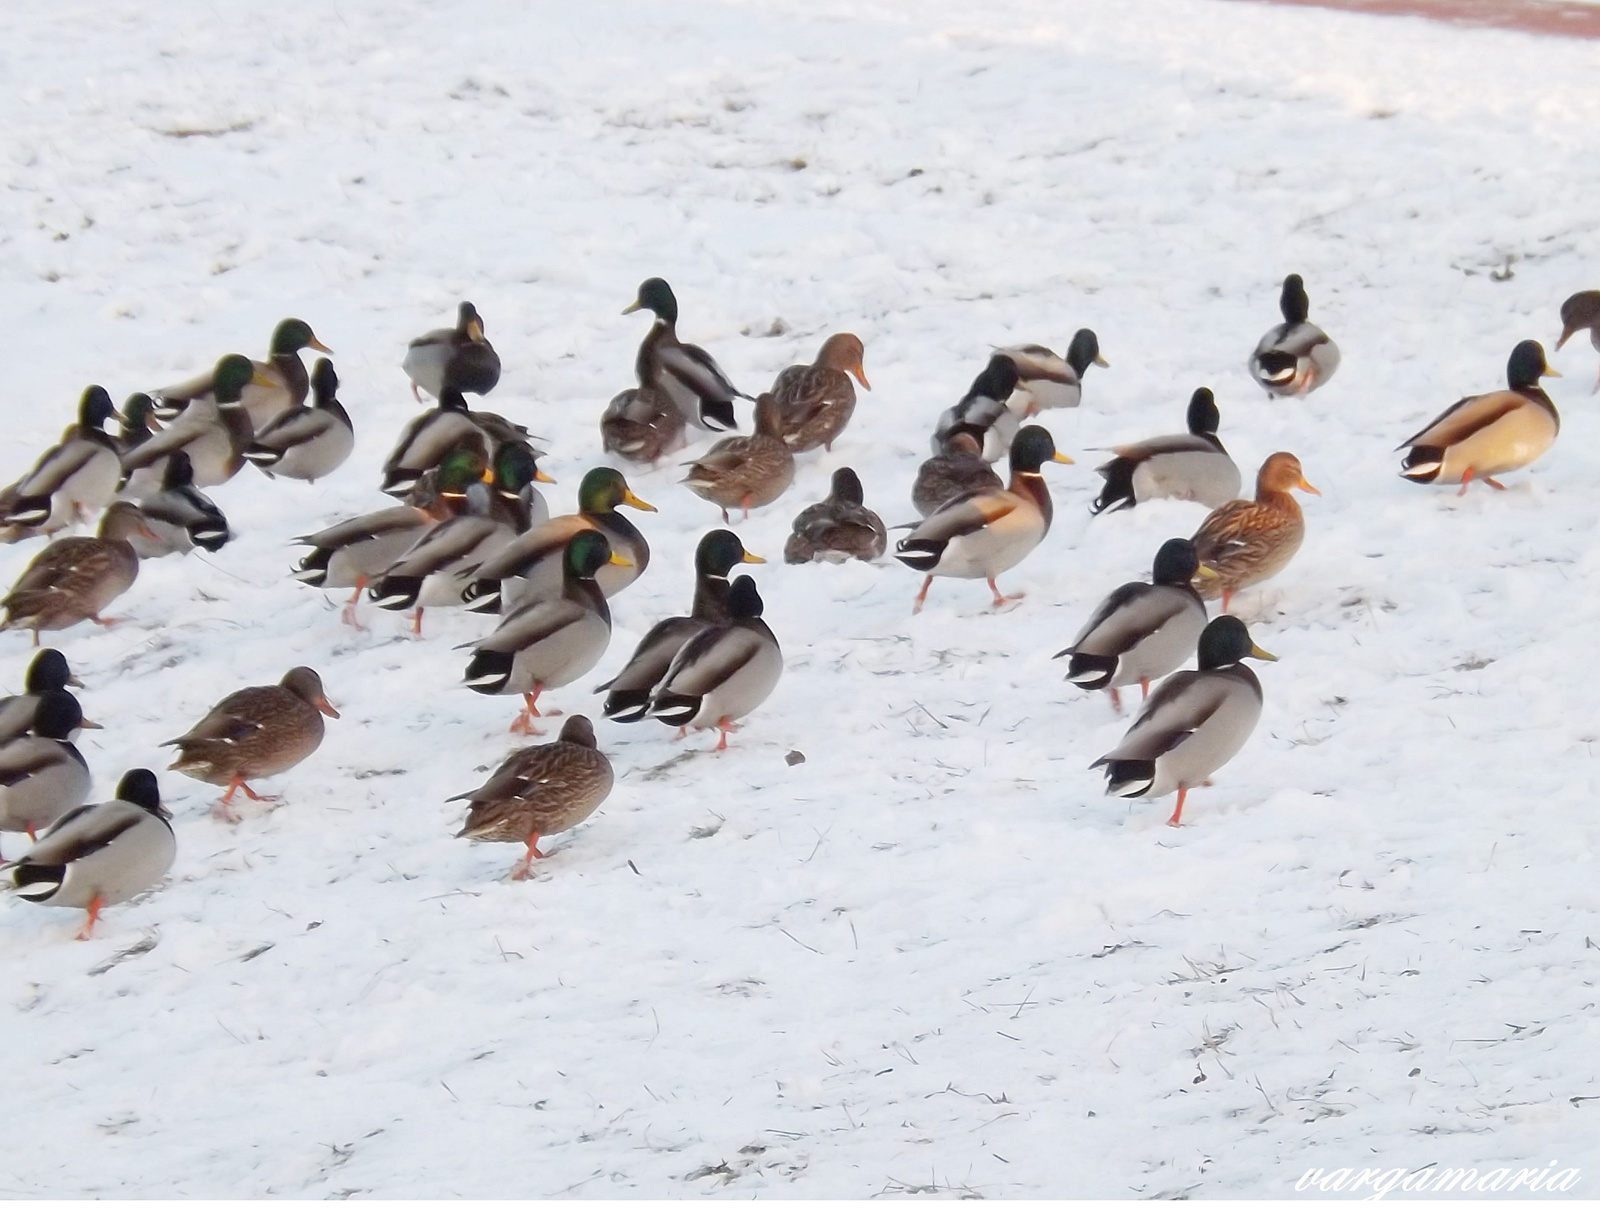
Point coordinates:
[[1296, 357], [459, 358], [1195, 467], [642, 424], [838, 528], [958, 468]]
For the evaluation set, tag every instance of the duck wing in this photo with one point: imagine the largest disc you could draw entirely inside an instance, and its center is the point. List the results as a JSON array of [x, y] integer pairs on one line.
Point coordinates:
[[1465, 418]]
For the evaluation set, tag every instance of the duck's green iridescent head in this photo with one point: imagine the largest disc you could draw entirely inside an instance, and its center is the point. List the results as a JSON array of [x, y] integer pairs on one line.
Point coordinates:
[[1526, 365], [605, 489], [720, 551], [516, 468], [1226, 640], [1032, 448], [655, 295], [94, 407], [232, 374], [588, 551], [462, 466], [293, 335]]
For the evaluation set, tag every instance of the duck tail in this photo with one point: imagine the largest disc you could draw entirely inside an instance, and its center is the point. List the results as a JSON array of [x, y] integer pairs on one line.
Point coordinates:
[[28, 512], [675, 709], [213, 534], [489, 671], [263, 457], [628, 705], [1117, 494], [1091, 671], [313, 568], [36, 883], [397, 592], [920, 555], [398, 482], [1422, 464], [482, 595], [1127, 778]]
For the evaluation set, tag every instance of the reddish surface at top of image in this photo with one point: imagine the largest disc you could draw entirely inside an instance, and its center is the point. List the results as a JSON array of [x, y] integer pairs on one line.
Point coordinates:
[[1560, 17]]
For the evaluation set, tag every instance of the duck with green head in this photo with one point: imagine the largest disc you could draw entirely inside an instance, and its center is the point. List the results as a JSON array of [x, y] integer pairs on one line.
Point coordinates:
[[281, 384], [215, 430], [307, 442], [69, 482], [688, 376]]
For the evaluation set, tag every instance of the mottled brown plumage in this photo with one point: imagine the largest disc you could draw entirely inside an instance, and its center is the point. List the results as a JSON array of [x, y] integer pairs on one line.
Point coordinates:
[[816, 400], [540, 791], [748, 470], [959, 468], [642, 424], [73, 579], [1245, 542], [837, 528]]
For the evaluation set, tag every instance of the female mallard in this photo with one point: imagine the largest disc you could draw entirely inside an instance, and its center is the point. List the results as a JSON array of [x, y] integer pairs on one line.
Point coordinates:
[[73, 579], [534, 562], [549, 643], [1046, 381], [307, 442], [1581, 311], [178, 517], [691, 378], [983, 533], [983, 410], [215, 430], [1296, 357], [42, 775], [539, 791], [278, 384], [256, 732], [459, 358], [1193, 724], [628, 692], [1195, 467], [724, 672], [747, 470], [47, 673], [641, 424], [959, 468], [72, 480], [837, 528], [102, 854], [1245, 542], [1490, 433], [816, 400], [1141, 631]]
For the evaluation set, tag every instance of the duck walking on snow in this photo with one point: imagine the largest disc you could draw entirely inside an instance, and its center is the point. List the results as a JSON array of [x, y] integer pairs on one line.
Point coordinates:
[[277, 385], [73, 579], [42, 774], [1246, 541], [1294, 358], [307, 442], [686, 374], [746, 470], [1195, 466], [72, 480], [816, 401]]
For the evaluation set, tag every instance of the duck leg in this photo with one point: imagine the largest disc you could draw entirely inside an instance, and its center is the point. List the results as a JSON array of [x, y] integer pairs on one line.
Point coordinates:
[[1490, 481], [523, 723], [348, 616], [107, 621], [1226, 596], [225, 812], [1000, 600], [1144, 687], [726, 726], [1466, 478], [915, 608], [725, 518], [744, 506], [416, 624], [1183, 792], [87, 931], [524, 868], [1116, 700]]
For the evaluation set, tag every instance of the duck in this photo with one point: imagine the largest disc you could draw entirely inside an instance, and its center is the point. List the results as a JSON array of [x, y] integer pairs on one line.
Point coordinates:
[[724, 672], [278, 383], [42, 774], [73, 579], [983, 533], [459, 358], [353, 553], [549, 643], [71, 481], [983, 410], [215, 430], [135, 428], [307, 442], [1581, 311], [178, 518], [642, 424], [1247, 541], [1294, 358], [1490, 433], [436, 569], [1193, 724], [1141, 631], [540, 791], [1194, 467], [101, 854], [817, 399], [628, 692], [534, 562], [430, 435], [1046, 380], [838, 528], [255, 732], [957, 469], [688, 375], [49, 672], [746, 470]]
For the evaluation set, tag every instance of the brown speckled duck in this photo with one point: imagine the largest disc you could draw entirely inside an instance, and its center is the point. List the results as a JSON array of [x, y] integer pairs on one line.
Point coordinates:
[[73, 579], [1581, 311], [958, 469], [748, 470], [816, 400], [642, 424], [1245, 542], [837, 528]]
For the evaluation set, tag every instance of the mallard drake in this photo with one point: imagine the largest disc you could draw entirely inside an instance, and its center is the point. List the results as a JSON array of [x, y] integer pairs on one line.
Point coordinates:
[[42, 775], [688, 375], [628, 692], [1141, 631], [1194, 467], [307, 442], [1581, 311], [535, 561], [73, 579], [1296, 357], [837, 528], [983, 533], [102, 854], [959, 468], [1045, 380], [817, 399], [549, 643], [1490, 433], [72, 480], [1195, 722], [539, 791], [215, 430], [135, 428], [983, 410], [724, 672], [642, 424], [256, 732], [47, 673], [429, 436], [178, 517], [459, 358], [278, 384], [1246, 542], [747, 470]]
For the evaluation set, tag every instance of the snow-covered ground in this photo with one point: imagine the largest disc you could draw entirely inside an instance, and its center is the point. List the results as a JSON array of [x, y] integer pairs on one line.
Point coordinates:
[[934, 957]]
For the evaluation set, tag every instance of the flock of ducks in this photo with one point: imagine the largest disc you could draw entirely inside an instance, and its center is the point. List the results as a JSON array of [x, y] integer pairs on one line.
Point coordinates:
[[472, 531]]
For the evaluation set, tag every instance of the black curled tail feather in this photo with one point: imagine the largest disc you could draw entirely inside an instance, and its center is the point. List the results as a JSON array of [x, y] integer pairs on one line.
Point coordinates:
[[675, 709], [1128, 778], [489, 671], [1091, 671], [921, 555], [627, 705], [482, 595], [1117, 494], [397, 592], [313, 568], [37, 883]]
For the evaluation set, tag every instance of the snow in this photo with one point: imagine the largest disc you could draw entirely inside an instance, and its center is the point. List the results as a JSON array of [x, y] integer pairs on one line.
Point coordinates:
[[932, 958]]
